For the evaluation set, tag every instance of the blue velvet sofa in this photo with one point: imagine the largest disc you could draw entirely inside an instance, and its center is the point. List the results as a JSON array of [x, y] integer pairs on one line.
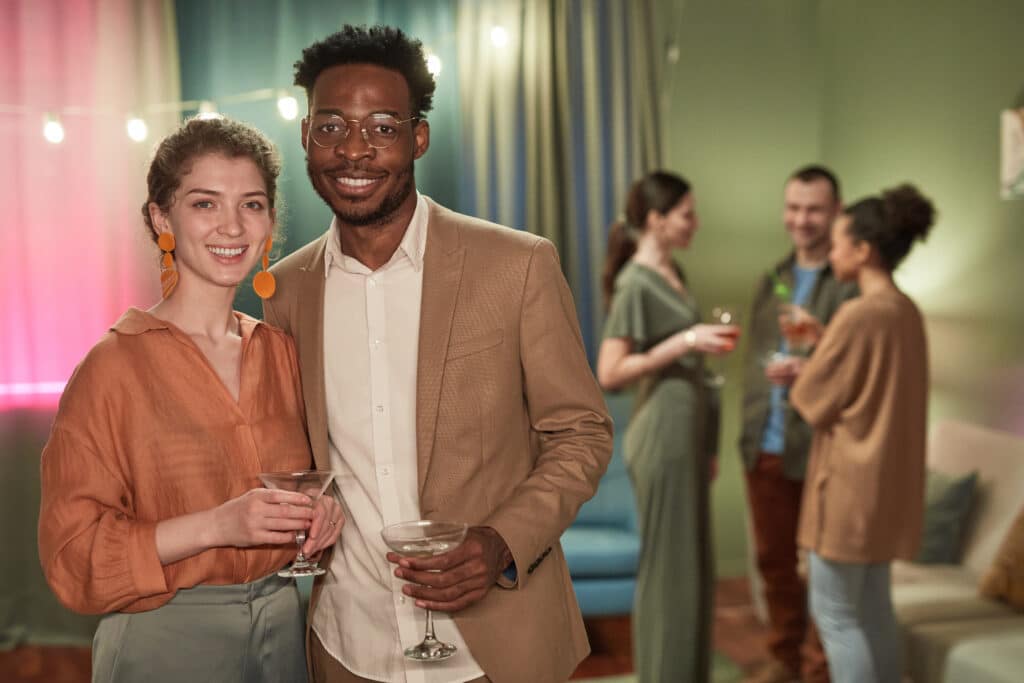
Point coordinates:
[[602, 547]]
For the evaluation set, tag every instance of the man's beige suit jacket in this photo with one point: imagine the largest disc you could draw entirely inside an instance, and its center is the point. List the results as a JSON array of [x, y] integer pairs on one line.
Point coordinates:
[[512, 429]]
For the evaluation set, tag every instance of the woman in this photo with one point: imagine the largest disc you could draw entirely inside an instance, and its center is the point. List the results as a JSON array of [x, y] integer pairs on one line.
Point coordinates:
[[653, 338], [865, 392], [150, 509]]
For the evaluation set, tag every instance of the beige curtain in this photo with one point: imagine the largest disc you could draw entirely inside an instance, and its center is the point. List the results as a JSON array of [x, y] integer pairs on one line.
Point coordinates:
[[558, 121]]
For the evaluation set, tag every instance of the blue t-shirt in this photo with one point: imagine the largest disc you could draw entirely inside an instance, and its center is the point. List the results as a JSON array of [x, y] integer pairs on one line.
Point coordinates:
[[773, 440]]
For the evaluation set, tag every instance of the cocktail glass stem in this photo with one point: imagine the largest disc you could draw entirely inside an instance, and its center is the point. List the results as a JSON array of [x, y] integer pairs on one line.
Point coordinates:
[[429, 635]]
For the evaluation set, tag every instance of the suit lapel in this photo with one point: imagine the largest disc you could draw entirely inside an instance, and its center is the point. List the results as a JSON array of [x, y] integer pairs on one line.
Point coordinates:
[[309, 335], [442, 273]]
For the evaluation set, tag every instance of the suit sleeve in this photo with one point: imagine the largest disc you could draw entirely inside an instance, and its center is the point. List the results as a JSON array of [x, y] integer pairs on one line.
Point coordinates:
[[271, 317], [567, 415]]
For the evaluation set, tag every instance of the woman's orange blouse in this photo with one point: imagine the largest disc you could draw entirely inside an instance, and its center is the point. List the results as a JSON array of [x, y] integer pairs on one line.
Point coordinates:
[[146, 431]]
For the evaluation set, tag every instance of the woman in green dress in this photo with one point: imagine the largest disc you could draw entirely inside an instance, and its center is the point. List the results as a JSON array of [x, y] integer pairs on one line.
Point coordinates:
[[654, 341]]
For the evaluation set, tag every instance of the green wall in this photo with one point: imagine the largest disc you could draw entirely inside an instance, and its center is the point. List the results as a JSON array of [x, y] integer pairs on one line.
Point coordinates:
[[882, 92]]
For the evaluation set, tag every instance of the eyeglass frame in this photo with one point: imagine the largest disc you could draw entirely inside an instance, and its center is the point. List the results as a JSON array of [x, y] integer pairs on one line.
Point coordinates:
[[362, 129]]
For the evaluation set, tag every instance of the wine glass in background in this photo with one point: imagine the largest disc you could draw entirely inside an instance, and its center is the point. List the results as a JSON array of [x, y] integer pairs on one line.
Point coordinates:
[[799, 328], [426, 538], [724, 315], [311, 483]]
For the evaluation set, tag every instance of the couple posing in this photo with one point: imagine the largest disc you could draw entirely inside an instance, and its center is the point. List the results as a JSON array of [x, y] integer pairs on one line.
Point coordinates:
[[431, 360]]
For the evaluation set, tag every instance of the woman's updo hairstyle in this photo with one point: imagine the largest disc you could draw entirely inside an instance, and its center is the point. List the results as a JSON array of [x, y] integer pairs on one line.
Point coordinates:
[[892, 222]]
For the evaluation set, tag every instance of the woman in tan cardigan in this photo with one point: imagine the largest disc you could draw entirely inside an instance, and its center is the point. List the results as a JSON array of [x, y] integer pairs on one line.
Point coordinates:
[[865, 391]]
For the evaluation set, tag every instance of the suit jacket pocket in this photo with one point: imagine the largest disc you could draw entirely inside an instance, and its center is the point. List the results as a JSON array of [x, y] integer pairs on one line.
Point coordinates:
[[477, 344]]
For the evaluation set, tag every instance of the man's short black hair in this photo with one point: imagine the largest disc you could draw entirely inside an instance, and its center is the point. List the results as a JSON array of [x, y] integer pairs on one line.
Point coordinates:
[[384, 46], [808, 174]]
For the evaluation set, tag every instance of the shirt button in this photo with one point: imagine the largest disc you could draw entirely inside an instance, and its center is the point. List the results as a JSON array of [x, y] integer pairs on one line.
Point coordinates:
[[371, 282], [379, 408], [385, 471], [376, 343], [401, 599]]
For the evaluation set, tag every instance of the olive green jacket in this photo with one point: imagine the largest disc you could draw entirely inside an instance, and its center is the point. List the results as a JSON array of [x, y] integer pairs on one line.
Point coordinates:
[[763, 337]]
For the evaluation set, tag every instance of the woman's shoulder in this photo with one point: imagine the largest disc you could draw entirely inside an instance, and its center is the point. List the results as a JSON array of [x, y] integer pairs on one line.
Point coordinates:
[[633, 276], [249, 325]]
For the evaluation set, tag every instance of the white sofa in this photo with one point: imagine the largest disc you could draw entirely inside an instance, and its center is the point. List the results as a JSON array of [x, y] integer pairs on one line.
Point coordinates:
[[951, 634]]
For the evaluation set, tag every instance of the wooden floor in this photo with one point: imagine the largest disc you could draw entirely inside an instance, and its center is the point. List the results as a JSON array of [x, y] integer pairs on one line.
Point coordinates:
[[738, 636]]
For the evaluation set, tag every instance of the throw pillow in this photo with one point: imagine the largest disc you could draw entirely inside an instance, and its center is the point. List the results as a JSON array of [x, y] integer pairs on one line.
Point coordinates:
[[948, 499], [1005, 578]]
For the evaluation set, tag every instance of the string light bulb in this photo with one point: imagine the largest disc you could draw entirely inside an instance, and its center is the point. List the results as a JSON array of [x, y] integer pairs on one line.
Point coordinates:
[[433, 65], [53, 129], [137, 129], [499, 36], [287, 106], [208, 110]]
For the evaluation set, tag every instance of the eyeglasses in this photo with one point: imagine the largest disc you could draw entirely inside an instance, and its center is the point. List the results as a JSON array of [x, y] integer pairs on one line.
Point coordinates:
[[379, 130]]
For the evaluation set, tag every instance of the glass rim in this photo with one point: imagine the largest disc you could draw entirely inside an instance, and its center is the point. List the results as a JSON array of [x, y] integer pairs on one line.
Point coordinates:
[[411, 527]]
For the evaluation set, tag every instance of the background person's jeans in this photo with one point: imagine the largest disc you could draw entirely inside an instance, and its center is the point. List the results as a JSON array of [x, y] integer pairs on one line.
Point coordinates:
[[852, 607]]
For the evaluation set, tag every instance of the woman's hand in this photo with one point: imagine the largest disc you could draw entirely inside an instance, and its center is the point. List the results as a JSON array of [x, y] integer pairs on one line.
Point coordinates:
[[262, 516], [326, 527], [714, 340], [257, 517]]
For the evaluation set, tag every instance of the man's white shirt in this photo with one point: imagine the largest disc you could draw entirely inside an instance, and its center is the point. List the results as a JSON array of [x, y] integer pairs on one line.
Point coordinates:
[[371, 336]]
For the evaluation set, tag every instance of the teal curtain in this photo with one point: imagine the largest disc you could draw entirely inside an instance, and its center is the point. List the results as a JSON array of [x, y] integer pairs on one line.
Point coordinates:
[[561, 119]]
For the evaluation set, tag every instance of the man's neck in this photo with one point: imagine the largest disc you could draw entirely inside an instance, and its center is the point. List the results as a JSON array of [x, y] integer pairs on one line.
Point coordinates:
[[374, 245], [812, 259]]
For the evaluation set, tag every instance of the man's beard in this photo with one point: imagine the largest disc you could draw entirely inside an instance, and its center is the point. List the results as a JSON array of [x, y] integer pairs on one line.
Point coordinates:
[[383, 213]]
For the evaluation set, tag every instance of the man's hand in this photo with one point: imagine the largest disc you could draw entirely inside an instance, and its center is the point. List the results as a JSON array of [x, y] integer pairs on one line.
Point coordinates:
[[783, 370], [458, 578]]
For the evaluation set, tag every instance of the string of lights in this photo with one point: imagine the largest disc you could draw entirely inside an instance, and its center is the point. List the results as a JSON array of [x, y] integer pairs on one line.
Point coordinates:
[[137, 129]]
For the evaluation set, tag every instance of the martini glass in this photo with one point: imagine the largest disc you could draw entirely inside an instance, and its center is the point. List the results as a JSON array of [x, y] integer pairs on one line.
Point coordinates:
[[426, 538], [311, 483]]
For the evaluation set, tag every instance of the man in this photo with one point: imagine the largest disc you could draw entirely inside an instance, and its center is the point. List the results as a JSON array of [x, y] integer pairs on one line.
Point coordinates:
[[775, 442], [444, 378]]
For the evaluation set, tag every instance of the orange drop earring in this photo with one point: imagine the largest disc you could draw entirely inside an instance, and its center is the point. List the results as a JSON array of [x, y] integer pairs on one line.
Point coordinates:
[[168, 275], [264, 283]]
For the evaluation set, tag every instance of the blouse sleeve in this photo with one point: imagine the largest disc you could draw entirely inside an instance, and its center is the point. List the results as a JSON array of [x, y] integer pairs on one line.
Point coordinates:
[[96, 556], [627, 316], [833, 375]]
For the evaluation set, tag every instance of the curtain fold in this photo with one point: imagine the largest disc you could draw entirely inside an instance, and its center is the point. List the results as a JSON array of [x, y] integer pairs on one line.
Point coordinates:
[[557, 123]]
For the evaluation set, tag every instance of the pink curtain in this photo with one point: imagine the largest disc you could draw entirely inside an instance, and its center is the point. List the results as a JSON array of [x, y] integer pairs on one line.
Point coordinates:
[[73, 249]]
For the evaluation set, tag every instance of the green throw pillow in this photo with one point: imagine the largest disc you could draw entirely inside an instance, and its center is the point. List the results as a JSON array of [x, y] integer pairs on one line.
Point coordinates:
[[947, 501]]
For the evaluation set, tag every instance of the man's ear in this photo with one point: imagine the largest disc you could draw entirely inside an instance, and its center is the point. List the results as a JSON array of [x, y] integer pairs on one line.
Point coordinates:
[[421, 138], [305, 132]]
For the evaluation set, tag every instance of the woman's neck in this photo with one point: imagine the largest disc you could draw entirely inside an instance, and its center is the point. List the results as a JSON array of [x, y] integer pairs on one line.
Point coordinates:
[[875, 280], [200, 311], [652, 254]]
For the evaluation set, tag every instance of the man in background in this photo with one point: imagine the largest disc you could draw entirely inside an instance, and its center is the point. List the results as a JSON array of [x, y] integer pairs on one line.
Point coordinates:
[[775, 441]]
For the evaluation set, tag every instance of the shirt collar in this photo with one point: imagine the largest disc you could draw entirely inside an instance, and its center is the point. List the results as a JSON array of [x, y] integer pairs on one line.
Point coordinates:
[[412, 246], [136, 321]]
